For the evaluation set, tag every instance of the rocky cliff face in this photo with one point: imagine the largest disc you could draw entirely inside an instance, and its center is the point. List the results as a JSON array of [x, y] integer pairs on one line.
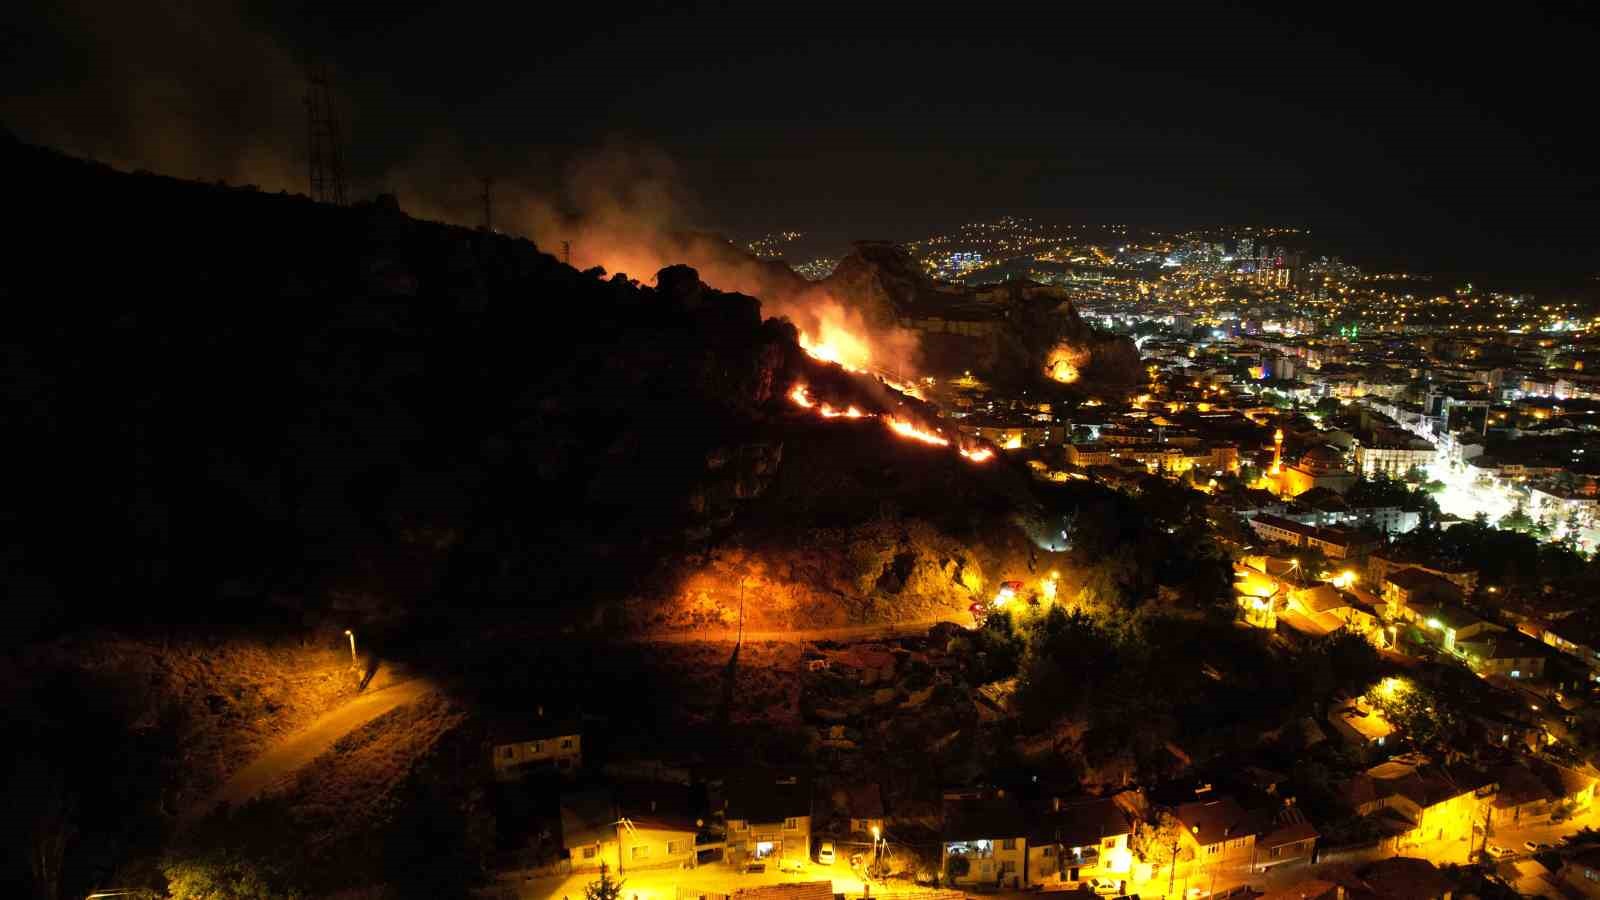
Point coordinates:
[[1006, 332]]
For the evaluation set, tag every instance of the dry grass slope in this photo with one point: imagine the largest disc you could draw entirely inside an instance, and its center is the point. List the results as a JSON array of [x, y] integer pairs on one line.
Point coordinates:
[[354, 786], [229, 699]]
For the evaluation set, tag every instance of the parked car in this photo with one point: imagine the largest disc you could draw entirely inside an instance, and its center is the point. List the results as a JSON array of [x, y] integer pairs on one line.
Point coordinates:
[[755, 868], [1497, 851], [825, 853], [1536, 847], [1105, 887]]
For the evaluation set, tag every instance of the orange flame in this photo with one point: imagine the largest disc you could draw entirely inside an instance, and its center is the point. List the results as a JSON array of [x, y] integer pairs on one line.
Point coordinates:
[[1063, 363], [838, 346], [908, 430], [980, 455], [800, 397], [828, 412]]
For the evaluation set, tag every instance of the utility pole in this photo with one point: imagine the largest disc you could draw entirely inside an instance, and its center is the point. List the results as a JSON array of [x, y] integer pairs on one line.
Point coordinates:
[[324, 155], [741, 613], [488, 205], [1172, 871]]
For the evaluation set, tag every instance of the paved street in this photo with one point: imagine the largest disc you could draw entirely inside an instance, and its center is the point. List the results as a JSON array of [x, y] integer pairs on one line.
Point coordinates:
[[1439, 852], [663, 884], [295, 751]]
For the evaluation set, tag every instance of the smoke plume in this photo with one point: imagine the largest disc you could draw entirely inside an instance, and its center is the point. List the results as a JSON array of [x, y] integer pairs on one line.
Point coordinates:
[[204, 91]]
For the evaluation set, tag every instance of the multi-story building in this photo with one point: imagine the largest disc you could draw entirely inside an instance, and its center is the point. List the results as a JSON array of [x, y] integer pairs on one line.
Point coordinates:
[[1335, 543], [984, 839], [768, 816], [1080, 840], [1393, 459], [1417, 801]]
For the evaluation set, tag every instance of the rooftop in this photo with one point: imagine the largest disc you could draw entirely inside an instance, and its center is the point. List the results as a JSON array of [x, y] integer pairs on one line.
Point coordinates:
[[983, 818], [768, 795], [1210, 821]]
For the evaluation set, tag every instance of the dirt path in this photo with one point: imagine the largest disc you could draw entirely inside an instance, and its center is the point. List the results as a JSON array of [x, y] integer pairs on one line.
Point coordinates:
[[294, 752], [795, 635]]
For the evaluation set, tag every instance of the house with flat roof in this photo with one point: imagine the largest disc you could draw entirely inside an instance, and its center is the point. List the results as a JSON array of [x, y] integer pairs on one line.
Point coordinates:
[[1362, 728]]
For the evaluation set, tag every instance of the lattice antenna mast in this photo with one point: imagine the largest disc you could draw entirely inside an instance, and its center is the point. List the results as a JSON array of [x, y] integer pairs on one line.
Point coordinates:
[[324, 155]]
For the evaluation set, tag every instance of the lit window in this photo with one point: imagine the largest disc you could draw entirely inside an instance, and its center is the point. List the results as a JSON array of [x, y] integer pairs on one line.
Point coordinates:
[[791, 824], [673, 847], [566, 743], [1008, 843], [640, 852], [588, 852]]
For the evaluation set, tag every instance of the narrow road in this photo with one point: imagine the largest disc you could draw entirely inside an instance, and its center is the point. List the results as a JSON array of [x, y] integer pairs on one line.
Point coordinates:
[[295, 751], [794, 635]]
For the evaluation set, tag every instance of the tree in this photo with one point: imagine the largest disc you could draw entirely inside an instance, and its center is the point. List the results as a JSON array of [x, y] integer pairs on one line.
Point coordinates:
[[1421, 714], [37, 790], [1517, 520], [1157, 841], [603, 888], [225, 876]]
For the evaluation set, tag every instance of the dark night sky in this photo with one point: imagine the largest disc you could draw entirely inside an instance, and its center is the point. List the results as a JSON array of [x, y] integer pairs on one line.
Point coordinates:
[[1455, 138]]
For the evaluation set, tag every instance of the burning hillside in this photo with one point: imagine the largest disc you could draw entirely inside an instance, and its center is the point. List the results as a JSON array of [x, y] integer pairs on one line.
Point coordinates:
[[898, 422], [1065, 363]]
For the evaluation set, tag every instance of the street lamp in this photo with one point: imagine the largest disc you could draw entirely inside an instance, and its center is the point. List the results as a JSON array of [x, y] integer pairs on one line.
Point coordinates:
[[352, 636], [877, 843]]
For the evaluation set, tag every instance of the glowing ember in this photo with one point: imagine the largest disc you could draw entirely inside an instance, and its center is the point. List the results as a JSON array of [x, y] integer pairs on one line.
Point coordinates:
[[1063, 363], [982, 454], [907, 430], [828, 412], [800, 397]]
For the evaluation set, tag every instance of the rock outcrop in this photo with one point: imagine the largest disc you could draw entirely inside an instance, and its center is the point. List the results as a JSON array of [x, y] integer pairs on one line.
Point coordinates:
[[1004, 333]]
